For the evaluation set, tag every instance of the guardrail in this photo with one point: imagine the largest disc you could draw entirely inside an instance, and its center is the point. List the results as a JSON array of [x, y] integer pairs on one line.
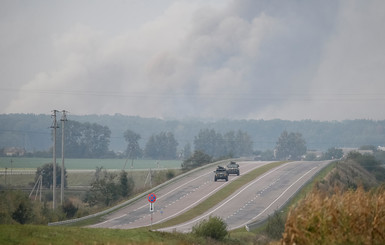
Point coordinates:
[[143, 195]]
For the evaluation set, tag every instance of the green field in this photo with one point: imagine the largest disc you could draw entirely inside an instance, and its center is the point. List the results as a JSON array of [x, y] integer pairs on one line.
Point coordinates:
[[33, 163]]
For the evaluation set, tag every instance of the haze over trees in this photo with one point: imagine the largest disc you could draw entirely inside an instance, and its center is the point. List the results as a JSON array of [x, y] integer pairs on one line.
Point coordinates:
[[161, 146], [102, 136], [290, 146], [133, 150], [84, 140], [215, 144]]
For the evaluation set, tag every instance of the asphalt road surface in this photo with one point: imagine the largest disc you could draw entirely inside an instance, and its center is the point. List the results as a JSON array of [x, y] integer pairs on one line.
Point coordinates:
[[253, 202]]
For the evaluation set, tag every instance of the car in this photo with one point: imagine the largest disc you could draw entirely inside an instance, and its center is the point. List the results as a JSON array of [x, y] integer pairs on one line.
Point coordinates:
[[233, 168], [221, 173]]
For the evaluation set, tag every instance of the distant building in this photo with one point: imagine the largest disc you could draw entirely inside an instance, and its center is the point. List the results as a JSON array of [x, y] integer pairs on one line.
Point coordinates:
[[14, 152], [346, 151]]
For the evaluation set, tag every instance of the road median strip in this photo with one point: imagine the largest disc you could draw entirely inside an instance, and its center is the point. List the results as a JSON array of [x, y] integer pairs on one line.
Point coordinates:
[[219, 196]]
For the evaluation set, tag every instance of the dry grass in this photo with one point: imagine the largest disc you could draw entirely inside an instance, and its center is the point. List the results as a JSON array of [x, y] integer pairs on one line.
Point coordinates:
[[352, 217]]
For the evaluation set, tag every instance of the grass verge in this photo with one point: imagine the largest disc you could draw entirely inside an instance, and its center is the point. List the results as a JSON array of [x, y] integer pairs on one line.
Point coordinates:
[[34, 234]]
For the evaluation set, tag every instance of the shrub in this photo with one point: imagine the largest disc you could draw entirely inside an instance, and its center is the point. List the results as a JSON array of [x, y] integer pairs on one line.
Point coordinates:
[[69, 209], [214, 228], [170, 174], [275, 225], [353, 217], [15, 206], [196, 160]]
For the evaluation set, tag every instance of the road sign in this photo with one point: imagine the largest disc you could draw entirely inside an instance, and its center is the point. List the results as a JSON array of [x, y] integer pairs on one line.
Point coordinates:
[[152, 208], [151, 197]]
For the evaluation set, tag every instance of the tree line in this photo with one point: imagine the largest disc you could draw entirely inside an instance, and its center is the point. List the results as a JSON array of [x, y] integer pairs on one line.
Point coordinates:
[[92, 140], [32, 132]]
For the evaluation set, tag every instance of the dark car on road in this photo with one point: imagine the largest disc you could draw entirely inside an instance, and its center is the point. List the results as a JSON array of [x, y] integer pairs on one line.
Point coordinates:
[[221, 173], [233, 168]]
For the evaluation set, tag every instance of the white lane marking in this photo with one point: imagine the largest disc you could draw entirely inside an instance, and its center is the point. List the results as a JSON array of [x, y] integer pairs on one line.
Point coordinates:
[[271, 204], [220, 206], [144, 206], [191, 205]]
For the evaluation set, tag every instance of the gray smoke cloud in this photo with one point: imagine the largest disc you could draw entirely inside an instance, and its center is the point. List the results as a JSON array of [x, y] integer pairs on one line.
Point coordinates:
[[320, 60]]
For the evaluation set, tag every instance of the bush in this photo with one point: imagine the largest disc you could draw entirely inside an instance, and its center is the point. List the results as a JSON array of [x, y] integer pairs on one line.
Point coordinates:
[[170, 174], [214, 228], [69, 209], [15, 206], [196, 160], [353, 217], [275, 225]]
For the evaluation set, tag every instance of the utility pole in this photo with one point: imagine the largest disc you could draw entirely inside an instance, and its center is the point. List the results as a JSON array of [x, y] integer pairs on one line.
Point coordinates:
[[5, 177], [10, 178], [54, 159], [63, 119]]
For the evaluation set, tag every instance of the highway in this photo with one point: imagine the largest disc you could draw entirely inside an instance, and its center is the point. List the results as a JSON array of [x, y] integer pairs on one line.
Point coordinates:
[[254, 201]]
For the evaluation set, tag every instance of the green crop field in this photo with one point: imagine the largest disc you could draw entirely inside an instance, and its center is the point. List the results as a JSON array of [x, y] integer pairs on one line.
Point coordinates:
[[82, 164]]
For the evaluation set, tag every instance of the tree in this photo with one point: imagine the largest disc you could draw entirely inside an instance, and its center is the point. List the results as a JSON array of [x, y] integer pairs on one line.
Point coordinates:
[[47, 173], [126, 184], [290, 146], [85, 140], [23, 212], [230, 143], [244, 144], [197, 159], [161, 146], [210, 142], [69, 209], [133, 150], [187, 151], [103, 189], [333, 153], [214, 228], [106, 190]]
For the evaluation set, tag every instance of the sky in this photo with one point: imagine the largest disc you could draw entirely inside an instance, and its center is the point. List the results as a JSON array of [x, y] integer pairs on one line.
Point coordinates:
[[180, 59]]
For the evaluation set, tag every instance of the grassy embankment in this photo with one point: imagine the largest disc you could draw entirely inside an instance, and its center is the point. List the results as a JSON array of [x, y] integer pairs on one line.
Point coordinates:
[[32, 234], [346, 207]]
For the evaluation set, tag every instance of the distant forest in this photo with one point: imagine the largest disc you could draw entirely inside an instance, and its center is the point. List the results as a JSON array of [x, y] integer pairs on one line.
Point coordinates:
[[34, 133]]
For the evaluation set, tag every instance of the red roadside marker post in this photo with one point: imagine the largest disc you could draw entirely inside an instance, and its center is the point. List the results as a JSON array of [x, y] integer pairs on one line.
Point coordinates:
[[151, 198]]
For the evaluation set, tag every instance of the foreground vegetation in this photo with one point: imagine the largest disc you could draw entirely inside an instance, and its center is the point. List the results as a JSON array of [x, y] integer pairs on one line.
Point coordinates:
[[33, 234], [351, 217], [105, 190], [347, 206]]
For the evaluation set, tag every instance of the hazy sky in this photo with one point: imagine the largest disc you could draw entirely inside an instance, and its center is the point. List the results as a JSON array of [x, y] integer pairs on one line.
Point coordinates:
[[244, 59]]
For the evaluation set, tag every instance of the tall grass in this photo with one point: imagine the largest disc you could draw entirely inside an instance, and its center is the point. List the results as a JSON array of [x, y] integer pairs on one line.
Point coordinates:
[[34, 234], [351, 217]]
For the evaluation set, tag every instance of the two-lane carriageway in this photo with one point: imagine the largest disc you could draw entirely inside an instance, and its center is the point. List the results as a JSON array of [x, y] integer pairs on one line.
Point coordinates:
[[259, 198], [173, 199], [252, 202]]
